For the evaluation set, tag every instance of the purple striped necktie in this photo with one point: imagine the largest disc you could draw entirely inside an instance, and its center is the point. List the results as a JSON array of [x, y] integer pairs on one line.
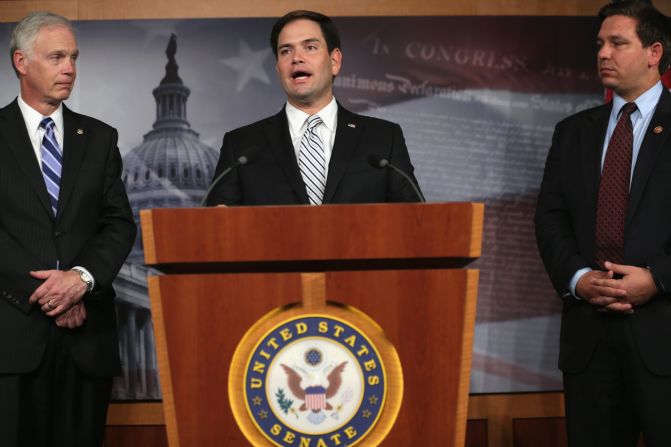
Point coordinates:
[[52, 162]]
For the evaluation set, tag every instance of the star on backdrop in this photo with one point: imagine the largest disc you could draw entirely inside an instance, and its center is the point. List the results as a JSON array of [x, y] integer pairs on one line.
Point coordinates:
[[248, 64]]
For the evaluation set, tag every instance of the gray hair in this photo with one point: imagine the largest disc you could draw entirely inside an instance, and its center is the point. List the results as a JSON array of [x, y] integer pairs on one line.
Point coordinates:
[[25, 32]]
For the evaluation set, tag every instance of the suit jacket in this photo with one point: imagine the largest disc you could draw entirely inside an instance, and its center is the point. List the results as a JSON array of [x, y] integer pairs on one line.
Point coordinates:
[[274, 178], [94, 229], [565, 228]]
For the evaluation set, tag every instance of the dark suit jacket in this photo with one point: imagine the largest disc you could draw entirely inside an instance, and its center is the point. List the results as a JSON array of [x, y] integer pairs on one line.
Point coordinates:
[[274, 178], [565, 228], [94, 229]]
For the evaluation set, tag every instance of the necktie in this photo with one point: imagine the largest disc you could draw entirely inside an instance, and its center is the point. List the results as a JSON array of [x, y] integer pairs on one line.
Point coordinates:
[[311, 161], [52, 162], [613, 198]]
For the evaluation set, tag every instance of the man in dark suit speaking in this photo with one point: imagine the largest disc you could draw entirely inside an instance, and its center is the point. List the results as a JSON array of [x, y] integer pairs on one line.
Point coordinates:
[[314, 150], [603, 225], [65, 230]]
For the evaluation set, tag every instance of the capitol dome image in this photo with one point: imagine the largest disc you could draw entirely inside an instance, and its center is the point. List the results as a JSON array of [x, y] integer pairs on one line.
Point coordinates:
[[170, 168]]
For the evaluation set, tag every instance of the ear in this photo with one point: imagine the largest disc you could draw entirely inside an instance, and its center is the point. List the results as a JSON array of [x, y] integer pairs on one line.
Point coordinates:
[[336, 61], [20, 59], [655, 52]]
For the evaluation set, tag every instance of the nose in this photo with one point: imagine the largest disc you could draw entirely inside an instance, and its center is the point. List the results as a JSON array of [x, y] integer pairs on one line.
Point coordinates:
[[297, 56], [69, 66], [604, 52]]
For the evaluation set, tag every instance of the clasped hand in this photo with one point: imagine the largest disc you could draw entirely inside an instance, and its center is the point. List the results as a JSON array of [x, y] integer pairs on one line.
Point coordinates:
[[60, 296], [619, 289]]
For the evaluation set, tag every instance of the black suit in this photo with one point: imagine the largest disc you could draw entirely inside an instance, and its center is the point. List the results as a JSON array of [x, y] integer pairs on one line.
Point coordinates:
[[274, 178], [94, 229], [565, 230]]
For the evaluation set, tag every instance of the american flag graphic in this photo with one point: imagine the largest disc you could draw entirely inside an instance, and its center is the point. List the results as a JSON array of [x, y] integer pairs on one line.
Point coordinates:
[[315, 398]]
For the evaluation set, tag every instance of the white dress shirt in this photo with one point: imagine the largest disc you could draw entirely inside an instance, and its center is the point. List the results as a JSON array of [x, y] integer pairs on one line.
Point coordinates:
[[298, 122], [33, 118]]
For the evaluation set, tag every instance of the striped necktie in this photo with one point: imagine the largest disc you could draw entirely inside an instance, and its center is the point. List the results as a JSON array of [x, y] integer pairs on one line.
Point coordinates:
[[52, 161], [312, 162]]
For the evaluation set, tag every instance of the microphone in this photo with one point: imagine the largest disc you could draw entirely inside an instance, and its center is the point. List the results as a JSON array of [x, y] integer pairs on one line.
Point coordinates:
[[380, 163], [249, 155]]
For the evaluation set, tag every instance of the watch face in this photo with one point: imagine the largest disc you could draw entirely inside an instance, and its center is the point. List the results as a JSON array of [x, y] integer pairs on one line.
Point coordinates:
[[86, 278]]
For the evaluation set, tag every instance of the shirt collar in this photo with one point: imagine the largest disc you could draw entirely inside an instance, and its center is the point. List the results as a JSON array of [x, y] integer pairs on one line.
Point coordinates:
[[297, 117], [645, 103], [33, 118]]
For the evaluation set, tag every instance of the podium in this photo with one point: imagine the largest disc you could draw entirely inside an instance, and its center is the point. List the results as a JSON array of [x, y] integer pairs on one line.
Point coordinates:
[[400, 264]]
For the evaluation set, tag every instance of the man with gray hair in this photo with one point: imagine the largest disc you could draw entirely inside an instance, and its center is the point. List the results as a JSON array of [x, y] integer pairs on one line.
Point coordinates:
[[66, 228]]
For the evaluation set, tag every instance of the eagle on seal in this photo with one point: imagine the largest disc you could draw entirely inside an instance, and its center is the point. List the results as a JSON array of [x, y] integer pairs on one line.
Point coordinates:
[[315, 397]]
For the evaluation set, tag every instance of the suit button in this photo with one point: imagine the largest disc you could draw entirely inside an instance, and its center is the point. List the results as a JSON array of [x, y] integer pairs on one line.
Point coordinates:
[[57, 233]]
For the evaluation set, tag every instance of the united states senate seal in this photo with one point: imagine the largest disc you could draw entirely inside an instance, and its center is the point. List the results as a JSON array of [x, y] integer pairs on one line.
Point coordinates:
[[315, 380]]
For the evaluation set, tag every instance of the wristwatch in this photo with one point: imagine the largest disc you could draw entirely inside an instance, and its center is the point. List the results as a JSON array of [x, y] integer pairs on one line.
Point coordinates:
[[85, 277]]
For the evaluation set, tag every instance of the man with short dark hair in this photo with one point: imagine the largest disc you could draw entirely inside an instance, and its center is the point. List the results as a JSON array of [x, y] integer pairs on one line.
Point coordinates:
[[66, 228], [314, 150], [603, 225]]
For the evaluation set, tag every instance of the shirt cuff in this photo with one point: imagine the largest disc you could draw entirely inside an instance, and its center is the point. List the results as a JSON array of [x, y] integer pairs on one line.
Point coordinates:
[[574, 281]]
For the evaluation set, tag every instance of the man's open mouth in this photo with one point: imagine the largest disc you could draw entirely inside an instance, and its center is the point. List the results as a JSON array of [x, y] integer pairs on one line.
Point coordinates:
[[300, 75]]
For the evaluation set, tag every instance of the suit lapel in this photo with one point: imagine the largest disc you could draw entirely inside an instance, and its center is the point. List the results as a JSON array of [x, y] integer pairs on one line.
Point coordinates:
[[13, 128], [278, 137], [74, 139], [656, 135], [592, 141], [347, 135]]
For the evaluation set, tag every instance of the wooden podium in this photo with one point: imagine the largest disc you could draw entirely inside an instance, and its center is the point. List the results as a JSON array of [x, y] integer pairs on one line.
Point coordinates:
[[401, 264]]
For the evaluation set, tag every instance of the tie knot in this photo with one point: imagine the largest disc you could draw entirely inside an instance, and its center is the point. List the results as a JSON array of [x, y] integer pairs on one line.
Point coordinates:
[[314, 121], [628, 108], [47, 123]]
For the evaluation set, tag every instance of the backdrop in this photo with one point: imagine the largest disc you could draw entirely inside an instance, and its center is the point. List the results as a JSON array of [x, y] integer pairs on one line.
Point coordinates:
[[477, 97]]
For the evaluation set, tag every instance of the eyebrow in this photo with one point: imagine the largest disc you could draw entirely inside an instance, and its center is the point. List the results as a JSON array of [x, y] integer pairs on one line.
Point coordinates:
[[612, 38], [288, 45], [64, 52]]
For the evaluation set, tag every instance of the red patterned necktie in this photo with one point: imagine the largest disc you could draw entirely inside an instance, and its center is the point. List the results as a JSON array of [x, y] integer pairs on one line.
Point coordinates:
[[614, 191]]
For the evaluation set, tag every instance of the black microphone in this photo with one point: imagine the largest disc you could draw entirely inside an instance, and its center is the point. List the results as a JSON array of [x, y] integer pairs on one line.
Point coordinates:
[[380, 162], [249, 155]]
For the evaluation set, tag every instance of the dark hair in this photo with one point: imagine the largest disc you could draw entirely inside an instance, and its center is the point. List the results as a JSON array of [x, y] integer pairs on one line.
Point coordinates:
[[329, 30], [652, 26]]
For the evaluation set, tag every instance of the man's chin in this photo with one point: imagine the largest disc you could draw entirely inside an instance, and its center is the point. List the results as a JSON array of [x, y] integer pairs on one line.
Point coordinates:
[[609, 82], [300, 97], [56, 100], [61, 95]]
